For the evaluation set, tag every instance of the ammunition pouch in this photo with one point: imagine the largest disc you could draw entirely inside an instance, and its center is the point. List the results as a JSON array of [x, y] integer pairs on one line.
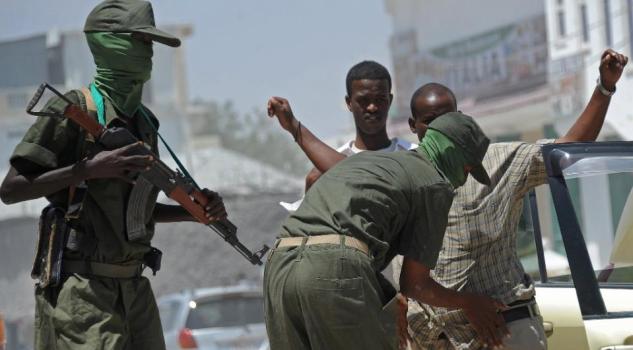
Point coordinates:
[[53, 236]]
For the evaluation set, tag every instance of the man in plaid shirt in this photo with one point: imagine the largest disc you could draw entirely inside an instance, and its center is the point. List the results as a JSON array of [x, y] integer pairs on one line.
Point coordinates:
[[479, 253]]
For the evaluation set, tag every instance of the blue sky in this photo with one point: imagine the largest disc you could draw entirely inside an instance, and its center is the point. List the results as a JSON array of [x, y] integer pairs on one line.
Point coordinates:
[[248, 50]]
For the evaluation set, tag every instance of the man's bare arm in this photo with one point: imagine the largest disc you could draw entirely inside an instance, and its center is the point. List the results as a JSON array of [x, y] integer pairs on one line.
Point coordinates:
[[107, 164], [481, 311], [589, 123], [17, 188], [320, 154]]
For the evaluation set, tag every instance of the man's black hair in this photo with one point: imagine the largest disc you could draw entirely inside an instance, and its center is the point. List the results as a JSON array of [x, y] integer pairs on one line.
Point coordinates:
[[434, 89], [366, 70]]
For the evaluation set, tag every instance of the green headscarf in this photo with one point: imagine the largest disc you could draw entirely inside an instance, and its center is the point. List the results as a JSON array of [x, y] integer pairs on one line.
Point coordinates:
[[446, 156], [124, 64]]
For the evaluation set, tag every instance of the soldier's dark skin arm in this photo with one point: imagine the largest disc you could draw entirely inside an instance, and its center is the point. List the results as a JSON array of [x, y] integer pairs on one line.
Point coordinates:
[[18, 187], [481, 311], [115, 164]]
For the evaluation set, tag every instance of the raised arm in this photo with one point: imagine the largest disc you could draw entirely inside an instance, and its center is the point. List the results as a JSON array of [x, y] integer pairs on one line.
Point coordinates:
[[320, 154], [481, 311], [589, 123]]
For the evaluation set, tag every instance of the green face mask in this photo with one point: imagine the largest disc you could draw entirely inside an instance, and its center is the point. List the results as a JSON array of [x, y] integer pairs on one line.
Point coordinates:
[[124, 64], [446, 156]]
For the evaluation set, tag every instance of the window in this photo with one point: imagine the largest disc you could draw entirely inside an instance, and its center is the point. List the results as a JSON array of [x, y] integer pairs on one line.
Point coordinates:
[[561, 23], [607, 23], [608, 221], [584, 23]]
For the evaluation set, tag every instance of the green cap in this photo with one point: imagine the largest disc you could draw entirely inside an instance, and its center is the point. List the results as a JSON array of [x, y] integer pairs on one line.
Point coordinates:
[[465, 133], [127, 16]]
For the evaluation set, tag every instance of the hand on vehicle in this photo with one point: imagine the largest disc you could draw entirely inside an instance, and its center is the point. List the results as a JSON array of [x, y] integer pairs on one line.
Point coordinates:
[[214, 209], [482, 313], [279, 107], [611, 66], [402, 323], [118, 164]]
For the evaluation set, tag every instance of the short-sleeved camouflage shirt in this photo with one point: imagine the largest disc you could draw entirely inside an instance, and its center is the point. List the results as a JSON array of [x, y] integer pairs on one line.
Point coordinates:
[[52, 143], [396, 202]]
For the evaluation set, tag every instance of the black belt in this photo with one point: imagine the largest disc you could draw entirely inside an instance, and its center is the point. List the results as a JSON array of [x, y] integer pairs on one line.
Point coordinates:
[[524, 309]]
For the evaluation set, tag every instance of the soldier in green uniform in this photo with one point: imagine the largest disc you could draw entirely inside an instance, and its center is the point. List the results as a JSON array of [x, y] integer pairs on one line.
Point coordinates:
[[321, 285], [102, 301]]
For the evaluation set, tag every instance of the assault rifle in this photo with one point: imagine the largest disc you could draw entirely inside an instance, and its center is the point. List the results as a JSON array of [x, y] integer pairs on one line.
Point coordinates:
[[175, 185]]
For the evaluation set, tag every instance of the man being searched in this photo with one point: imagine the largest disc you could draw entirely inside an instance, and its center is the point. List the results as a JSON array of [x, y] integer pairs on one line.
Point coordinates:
[[479, 253], [320, 283], [100, 300]]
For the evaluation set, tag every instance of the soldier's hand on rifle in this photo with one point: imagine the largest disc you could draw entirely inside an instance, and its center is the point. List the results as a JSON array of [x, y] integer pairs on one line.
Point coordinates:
[[482, 313], [117, 163], [214, 209], [280, 107], [611, 66]]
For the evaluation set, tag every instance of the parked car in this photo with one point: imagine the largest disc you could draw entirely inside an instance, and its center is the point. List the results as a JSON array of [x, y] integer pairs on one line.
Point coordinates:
[[219, 318], [588, 305]]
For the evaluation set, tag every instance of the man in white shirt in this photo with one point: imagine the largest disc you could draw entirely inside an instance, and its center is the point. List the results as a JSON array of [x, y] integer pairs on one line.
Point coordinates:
[[369, 97]]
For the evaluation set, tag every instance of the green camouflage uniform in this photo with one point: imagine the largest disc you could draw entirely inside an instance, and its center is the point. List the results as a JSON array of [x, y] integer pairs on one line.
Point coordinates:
[[86, 311]]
